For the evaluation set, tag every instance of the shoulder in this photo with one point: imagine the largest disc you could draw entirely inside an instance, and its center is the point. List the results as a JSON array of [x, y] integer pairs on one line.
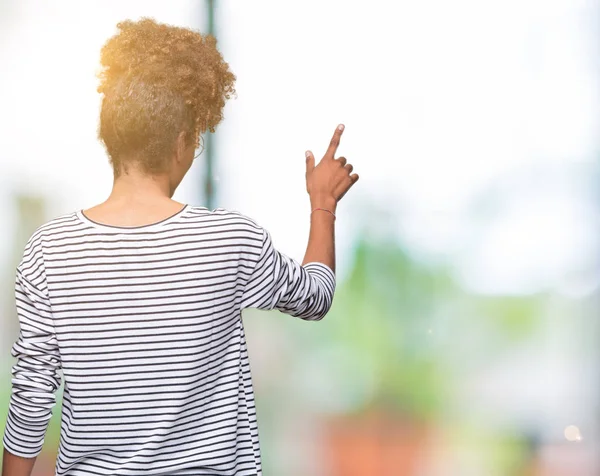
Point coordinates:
[[31, 265], [54, 227], [222, 217]]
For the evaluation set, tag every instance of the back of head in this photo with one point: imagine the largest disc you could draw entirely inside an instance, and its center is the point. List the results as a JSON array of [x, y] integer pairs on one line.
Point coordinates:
[[158, 80]]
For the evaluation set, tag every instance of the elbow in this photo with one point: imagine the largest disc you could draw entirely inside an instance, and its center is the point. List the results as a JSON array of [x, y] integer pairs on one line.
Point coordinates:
[[324, 291], [324, 310], [320, 308], [319, 316], [312, 301]]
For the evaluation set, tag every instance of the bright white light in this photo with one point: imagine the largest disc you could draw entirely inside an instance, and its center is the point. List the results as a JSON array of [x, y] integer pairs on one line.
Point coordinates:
[[572, 433]]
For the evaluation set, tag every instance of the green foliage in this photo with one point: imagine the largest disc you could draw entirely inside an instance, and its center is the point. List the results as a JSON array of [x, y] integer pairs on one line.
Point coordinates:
[[503, 451], [381, 317], [517, 317], [393, 322]]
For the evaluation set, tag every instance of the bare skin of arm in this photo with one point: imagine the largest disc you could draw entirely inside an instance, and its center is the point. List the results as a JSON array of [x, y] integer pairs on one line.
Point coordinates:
[[326, 184], [13, 465]]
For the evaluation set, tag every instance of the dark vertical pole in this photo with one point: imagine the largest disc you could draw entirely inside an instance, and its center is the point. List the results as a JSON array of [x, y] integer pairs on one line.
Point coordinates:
[[209, 185]]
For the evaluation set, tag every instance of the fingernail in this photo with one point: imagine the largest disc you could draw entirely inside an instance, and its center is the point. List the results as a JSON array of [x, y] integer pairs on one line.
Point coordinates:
[[341, 127], [307, 153]]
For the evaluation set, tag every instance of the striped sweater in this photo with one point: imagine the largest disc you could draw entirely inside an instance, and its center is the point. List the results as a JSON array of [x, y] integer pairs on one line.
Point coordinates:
[[143, 325]]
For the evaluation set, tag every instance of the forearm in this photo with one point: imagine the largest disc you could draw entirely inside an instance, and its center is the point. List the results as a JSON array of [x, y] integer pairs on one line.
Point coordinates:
[[321, 240], [13, 465]]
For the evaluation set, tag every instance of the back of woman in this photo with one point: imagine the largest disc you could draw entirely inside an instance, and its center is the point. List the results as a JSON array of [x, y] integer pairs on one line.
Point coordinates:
[[135, 304]]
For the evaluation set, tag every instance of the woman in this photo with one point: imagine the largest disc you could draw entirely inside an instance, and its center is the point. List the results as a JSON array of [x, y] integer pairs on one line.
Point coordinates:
[[136, 303]]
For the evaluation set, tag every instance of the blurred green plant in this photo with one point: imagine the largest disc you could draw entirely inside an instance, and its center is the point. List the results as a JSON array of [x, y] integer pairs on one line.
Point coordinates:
[[383, 317], [501, 451], [388, 339]]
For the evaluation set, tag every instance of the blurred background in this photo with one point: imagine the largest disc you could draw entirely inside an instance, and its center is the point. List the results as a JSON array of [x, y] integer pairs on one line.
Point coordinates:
[[464, 338]]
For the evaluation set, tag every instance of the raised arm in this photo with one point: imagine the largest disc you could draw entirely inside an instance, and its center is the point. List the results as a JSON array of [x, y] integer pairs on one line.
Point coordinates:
[[326, 184], [306, 291]]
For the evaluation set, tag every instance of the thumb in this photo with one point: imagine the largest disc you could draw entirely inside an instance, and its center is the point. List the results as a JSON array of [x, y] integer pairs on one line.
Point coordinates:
[[310, 162]]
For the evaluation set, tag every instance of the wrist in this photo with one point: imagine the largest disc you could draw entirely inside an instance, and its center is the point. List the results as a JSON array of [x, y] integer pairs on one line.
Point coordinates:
[[327, 210], [328, 203]]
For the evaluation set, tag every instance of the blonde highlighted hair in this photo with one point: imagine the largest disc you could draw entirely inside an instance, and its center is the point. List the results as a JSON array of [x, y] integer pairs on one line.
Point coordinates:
[[158, 80]]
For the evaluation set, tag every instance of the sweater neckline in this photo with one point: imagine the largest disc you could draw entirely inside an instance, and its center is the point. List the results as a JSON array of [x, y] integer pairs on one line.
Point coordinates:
[[150, 226]]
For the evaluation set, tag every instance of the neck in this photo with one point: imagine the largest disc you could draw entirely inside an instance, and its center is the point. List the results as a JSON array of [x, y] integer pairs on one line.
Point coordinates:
[[135, 187]]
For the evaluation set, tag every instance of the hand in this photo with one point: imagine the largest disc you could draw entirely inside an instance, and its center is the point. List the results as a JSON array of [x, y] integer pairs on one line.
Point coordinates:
[[329, 181]]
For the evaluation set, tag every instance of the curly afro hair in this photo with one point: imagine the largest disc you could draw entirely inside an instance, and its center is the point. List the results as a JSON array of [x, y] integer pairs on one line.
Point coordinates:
[[158, 80]]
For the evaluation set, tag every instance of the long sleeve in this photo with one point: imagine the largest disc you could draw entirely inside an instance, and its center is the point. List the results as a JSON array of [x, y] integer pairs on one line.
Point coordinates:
[[35, 376], [278, 282]]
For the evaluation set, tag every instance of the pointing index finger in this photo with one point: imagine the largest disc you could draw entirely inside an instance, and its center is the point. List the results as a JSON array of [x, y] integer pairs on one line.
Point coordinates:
[[335, 141]]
